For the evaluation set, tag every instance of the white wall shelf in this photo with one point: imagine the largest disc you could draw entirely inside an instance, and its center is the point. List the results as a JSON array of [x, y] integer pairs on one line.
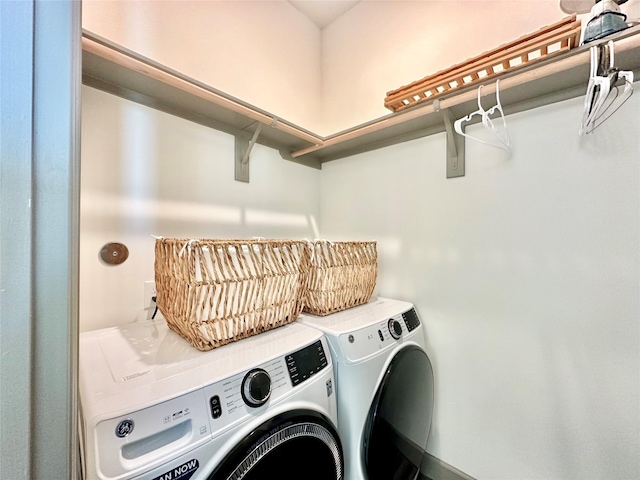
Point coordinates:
[[119, 71]]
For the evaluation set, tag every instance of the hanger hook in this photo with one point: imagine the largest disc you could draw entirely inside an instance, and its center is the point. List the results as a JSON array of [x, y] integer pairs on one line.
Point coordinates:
[[480, 95], [498, 93]]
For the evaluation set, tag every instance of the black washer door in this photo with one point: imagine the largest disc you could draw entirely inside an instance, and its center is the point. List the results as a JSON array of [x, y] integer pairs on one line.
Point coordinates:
[[295, 445], [399, 421]]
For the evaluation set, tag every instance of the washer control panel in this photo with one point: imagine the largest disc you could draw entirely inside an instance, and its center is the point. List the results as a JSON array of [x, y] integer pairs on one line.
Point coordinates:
[[362, 343], [248, 392], [306, 362]]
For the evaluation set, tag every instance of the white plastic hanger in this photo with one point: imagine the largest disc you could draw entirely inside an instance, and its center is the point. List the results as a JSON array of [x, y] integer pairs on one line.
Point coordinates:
[[608, 88], [499, 136], [615, 99], [597, 88]]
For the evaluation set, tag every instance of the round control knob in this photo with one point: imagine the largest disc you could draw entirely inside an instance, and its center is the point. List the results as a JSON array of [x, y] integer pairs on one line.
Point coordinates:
[[256, 388], [395, 329]]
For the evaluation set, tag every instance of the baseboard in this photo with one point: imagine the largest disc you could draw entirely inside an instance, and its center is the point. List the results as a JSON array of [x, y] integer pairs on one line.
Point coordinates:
[[435, 469]]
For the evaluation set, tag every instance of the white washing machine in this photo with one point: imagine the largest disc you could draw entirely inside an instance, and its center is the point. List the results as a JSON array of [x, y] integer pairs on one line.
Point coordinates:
[[384, 385], [155, 408]]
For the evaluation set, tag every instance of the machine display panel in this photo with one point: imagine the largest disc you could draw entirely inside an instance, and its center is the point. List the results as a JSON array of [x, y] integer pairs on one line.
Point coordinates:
[[306, 362]]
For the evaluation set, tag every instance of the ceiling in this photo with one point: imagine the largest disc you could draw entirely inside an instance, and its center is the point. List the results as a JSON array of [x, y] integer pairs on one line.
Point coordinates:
[[323, 12]]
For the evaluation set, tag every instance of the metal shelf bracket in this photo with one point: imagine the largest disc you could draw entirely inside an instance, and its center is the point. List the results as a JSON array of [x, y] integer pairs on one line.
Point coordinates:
[[243, 152], [455, 144]]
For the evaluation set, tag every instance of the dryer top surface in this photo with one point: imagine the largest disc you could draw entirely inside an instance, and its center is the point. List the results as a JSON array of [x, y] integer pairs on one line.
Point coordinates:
[[352, 319]]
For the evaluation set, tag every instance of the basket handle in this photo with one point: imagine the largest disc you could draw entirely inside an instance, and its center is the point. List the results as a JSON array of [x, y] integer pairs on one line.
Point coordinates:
[[188, 244]]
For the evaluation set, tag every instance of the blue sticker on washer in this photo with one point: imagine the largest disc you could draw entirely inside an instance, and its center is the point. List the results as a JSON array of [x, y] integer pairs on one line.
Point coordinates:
[[182, 472]]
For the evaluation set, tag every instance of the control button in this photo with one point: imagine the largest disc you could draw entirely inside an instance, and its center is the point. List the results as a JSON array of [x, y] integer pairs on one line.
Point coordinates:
[[395, 328], [216, 408], [380, 335], [292, 366], [351, 339], [256, 388]]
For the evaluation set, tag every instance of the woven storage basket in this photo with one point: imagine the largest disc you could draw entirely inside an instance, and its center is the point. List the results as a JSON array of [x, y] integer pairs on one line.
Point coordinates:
[[213, 292], [342, 275]]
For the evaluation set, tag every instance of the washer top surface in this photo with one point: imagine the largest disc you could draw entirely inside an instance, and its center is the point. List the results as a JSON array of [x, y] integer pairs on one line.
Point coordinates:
[[352, 319], [142, 364]]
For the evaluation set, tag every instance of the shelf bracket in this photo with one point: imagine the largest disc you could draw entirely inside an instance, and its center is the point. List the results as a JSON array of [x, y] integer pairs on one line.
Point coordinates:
[[243, 151], [455, 144]]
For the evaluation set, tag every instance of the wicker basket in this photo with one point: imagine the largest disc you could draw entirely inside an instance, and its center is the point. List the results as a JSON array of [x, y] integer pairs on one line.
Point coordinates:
[[213, 292], [342, 275]]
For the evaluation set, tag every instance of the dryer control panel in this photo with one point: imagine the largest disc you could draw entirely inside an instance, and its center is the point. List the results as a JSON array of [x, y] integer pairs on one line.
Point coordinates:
[[411, 319], [360, 344]]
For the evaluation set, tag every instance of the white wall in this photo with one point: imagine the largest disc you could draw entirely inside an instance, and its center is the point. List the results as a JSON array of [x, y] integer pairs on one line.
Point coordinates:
[[148, 173], [264, 52], [526, 273]]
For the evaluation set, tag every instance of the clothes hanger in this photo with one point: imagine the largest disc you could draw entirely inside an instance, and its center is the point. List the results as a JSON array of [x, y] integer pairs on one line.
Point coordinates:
[[597, 88], [500, 136], [601, 79], [623, 80], [604, 95], [500, 133]]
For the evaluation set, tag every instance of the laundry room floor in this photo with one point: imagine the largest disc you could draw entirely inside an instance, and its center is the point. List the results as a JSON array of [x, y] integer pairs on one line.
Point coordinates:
[[443, 476], [435, 469]]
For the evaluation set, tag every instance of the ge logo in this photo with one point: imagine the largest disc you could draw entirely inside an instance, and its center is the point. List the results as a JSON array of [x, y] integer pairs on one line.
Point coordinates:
[[124, 428]]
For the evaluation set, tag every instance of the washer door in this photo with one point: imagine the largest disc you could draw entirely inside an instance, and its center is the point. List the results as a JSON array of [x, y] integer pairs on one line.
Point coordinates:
[[399, 421], [294, 445]]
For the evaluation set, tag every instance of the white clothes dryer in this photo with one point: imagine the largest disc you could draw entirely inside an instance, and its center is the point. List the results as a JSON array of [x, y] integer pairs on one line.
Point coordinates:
[[152, 407], [384, 387]]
